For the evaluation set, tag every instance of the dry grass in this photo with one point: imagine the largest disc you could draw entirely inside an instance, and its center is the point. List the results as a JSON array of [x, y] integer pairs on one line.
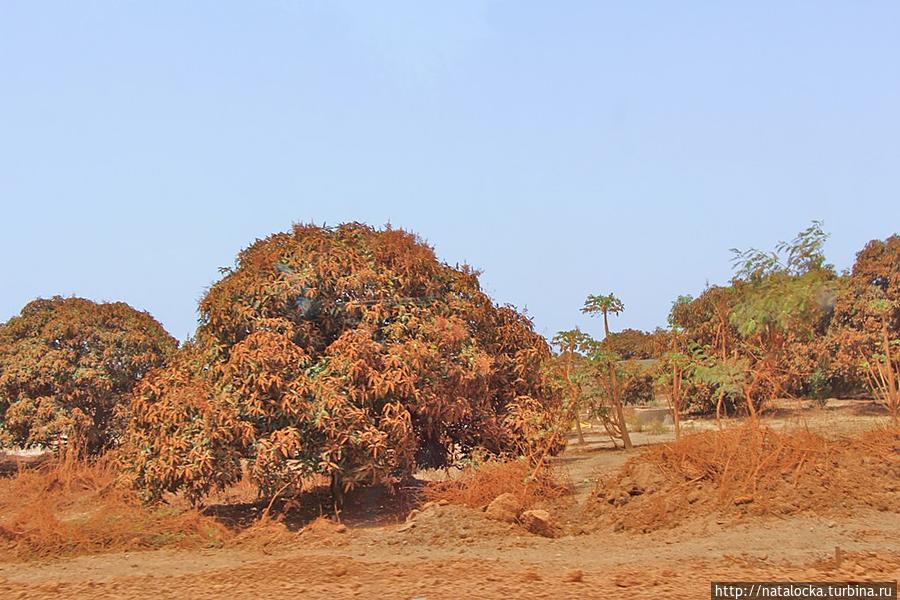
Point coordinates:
[[753, 470], [760, 463], [476, 487], [72, 507]]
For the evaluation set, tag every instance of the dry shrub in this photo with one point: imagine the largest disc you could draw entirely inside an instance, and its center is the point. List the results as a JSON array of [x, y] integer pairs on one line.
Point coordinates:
[[264, 534], [244, 491], [72, 507], [752, 470], [272, 534], [477, 486]]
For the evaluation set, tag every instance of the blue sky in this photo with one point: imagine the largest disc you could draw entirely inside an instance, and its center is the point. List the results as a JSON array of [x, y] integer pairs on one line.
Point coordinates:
[[564, 148]]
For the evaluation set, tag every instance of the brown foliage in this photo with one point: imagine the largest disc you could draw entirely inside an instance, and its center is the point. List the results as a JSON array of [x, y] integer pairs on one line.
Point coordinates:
[[348, 352], [72, 507], [67, 368], [477, 486], [706, 320], [855, 331], [700, 398], [639, 345], [752, 470], [637, 388]]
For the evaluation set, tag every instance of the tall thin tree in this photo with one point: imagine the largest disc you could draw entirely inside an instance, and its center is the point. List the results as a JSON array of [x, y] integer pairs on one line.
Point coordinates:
[[603, 305]]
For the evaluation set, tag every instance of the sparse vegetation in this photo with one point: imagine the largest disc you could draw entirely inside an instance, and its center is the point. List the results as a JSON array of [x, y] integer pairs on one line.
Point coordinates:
[[477, 486], [71, 507]]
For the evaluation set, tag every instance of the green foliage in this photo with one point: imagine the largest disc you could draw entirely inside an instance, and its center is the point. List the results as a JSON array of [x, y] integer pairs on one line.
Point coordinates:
[[785, 303], [789, 290], [805, 253], [819, 387], [801, 255], [781, 302], [605, 358], [727, 376], [786, 324], [573, 341], [602, 304], [716, 380]]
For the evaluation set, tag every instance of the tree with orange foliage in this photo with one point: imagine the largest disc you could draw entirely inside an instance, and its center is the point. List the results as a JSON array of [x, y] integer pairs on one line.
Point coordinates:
[[863, 343], [883, 368], [705, 320], [67, 369], [867, 307], [348, 352]]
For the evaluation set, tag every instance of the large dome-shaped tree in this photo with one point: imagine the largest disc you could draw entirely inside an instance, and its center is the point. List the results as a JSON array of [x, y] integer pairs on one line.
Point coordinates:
[[867, 308], [67, 369], [348, 351]]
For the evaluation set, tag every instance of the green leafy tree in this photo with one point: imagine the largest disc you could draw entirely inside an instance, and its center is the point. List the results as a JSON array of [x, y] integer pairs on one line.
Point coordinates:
[[784, 300], [571, 347], [603, 305], [728, 377], [675, 364]]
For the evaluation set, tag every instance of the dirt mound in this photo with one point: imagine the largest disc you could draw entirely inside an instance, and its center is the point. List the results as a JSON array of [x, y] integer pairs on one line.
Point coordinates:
[[325, 532], [79, 508], [265, 535], [490, 501], [444, 524], [540, 522], [750, 470], [504, 508], [269, 535], [478, 487]]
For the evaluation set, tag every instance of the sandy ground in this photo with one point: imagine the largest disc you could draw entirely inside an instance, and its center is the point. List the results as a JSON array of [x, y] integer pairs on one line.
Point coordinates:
[[457, 553]]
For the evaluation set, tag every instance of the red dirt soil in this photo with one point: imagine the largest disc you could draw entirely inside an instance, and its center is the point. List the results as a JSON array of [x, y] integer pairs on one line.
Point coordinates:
[[836, 530]]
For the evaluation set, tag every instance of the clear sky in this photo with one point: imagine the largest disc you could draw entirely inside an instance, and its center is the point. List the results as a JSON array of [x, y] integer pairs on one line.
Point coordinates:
[[564, 148]]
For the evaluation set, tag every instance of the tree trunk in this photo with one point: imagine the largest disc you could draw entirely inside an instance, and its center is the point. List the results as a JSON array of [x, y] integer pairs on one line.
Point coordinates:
[[719, 402], [337, 493], [676, 400], [575, 396], [748, 396], [892, 397], [614, 381], [578, 429], [675, 395]]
